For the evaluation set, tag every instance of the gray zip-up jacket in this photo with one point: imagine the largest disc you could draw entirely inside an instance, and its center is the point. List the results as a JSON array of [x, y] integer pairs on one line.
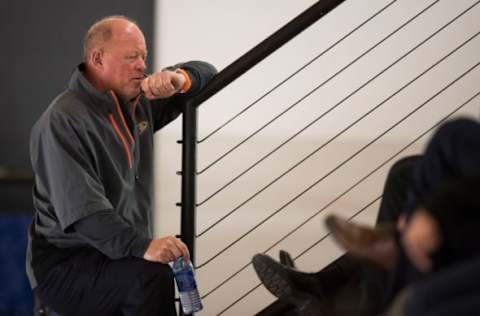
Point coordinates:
[[92, 157]]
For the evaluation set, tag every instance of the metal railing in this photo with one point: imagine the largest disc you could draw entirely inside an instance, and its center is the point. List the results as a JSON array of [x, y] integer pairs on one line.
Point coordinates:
[[221, 80], [189, 141]]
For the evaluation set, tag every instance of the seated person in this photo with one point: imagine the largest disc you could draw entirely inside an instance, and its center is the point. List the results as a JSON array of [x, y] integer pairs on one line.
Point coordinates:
[[436, 230], [91, 248]]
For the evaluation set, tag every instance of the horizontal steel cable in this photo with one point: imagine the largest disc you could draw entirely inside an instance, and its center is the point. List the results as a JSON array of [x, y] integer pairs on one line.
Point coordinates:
[[315, 89], [357, 213], [316, 243], [337, 135], [296, 72], [322, 115], [359, 151], [351, 187]]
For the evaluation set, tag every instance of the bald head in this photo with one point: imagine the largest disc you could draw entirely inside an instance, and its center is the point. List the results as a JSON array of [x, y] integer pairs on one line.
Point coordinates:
[[114, 56], [102, 31]]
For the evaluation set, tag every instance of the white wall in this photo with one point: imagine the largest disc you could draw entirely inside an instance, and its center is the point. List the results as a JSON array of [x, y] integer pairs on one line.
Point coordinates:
[[220, 32]]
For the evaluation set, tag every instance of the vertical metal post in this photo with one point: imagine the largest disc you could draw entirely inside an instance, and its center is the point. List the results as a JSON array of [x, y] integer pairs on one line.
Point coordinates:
[[189, 170], [189, 175]]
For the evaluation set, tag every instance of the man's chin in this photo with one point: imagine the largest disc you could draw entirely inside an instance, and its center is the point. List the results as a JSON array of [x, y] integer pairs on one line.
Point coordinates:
[[127, 96]]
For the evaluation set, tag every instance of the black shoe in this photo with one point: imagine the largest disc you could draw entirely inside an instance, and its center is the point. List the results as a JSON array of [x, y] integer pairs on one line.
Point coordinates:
[[286, 259], [289, 285]]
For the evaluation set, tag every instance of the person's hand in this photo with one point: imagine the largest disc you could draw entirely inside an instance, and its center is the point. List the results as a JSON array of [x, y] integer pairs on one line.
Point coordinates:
[[421, 237], [162, 84], [166, 249]]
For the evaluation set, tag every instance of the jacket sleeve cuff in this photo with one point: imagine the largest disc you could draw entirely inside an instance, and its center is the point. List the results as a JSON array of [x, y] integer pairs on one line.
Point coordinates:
[[139, 246], [188, 81]]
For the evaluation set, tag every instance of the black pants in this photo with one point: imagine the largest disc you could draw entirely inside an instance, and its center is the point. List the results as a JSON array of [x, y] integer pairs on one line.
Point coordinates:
[[395, 192], [351, 287], [365, 283], [452, 291], [453, 151], [89, 283]]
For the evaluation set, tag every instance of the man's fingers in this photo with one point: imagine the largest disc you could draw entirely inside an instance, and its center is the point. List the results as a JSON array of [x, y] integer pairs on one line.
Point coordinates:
[[144, 86], [159, 85], [178, 81], [151, 85], [179, 249], [173, 247], [168, 88], [184, 249], [166, 249]]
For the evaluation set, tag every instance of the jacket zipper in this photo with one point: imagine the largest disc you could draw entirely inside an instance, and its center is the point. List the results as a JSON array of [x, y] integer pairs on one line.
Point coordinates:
[[122, 139], [119, 133], [119, 110]]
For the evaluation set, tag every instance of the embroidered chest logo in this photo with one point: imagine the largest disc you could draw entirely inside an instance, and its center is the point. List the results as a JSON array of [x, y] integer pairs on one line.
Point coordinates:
[[142, 126]]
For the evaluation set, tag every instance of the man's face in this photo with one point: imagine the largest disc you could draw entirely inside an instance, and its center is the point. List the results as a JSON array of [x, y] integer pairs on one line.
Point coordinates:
[[124, 61]]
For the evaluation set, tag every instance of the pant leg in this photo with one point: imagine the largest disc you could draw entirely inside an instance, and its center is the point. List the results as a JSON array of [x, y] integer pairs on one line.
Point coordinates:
[[350, 282], [154, 292], [91, 284], [398, 183], [452, 291]]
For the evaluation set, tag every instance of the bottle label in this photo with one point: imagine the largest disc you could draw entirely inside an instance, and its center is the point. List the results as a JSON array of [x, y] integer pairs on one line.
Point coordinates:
[[185, 281]]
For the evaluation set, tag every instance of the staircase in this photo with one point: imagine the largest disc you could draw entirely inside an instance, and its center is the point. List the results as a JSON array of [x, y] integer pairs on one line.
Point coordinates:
[[308, 131]]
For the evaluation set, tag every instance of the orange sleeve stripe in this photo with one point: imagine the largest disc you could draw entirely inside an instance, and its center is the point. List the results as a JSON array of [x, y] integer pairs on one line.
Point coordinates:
[[188, 82]]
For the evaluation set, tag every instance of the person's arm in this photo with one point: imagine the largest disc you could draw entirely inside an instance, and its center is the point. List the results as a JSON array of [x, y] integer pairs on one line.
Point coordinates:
[[115, 238], [168, 88], [200, 73], [111, 235]]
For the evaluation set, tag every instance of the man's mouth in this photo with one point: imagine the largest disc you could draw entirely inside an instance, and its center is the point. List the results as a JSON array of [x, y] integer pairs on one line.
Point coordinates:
[[140, 77]]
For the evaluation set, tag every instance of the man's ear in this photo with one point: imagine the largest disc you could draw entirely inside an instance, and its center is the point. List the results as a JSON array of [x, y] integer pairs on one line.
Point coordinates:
[[96, 58]]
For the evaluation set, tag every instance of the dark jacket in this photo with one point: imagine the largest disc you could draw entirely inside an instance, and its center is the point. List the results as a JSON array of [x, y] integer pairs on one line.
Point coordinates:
[[93, 160]]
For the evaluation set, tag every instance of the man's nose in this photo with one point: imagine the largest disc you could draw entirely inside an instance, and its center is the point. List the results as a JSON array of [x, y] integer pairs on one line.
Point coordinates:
[[141, 65]]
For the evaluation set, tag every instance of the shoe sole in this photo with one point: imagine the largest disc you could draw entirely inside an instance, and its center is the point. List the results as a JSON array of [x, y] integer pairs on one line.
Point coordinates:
[[272, 276], [275, 279]]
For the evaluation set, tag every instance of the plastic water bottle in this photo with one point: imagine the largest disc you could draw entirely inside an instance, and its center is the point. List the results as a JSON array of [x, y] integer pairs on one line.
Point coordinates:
[[187, 287]]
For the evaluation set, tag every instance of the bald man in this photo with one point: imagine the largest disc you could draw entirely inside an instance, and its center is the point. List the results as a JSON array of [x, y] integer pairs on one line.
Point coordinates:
[[91, 248]]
